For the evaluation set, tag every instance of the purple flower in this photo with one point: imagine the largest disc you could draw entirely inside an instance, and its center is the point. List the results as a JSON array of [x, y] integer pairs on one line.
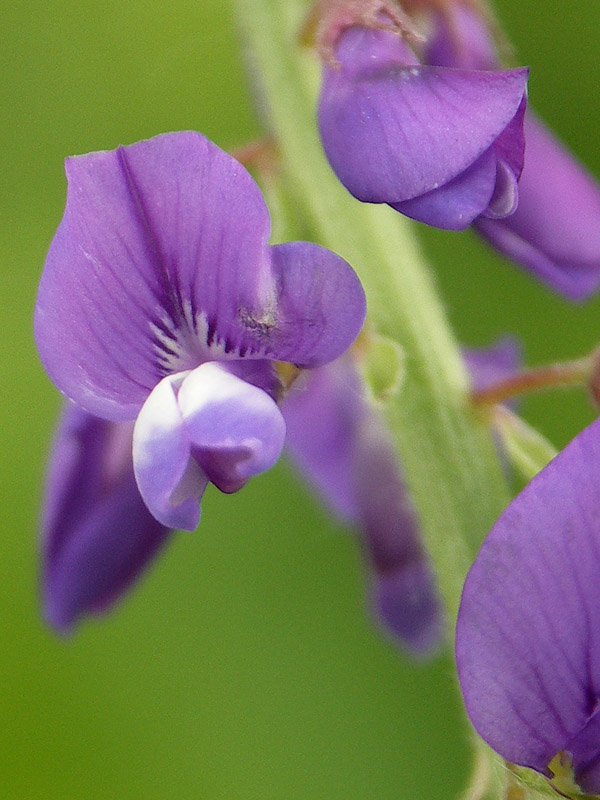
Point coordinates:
[[339, 440], [161, 300], [341, 444], [555, 231], [528, 639], [442, 146], [97, 534]]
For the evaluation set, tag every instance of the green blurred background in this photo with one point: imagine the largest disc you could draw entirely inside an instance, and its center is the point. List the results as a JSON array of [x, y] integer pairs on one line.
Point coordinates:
[[245, 665]]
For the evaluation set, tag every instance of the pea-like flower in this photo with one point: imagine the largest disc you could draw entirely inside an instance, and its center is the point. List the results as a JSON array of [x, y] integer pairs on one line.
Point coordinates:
[[440, 145], [339, 441], [162, 302], [527, 639], [555, 230]]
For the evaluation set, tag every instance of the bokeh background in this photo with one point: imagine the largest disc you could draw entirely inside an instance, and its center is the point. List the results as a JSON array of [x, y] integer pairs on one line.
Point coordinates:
[[245, 665]]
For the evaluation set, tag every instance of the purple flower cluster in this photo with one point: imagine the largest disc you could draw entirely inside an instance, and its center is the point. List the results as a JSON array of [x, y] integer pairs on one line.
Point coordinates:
[[169, 323]]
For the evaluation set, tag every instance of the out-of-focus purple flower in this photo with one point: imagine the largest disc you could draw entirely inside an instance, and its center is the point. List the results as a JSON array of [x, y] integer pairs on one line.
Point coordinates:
[[339, 440], [97, 534], [528, 639], [162, 300], [442, 146], [555, 231]]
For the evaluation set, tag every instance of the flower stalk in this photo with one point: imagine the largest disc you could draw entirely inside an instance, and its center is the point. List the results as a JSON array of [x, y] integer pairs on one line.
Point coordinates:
[[550, 376]]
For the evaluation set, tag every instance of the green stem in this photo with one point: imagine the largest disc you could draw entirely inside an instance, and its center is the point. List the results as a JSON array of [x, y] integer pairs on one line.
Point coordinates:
[[449, 460]]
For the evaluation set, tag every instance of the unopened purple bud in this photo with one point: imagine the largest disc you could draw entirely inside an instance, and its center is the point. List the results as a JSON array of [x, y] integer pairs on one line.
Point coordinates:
[[443, 146], [555, 231], [341, 444]]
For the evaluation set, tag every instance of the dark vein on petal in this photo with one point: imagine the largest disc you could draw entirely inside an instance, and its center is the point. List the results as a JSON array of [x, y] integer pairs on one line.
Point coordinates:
[[145, 221]]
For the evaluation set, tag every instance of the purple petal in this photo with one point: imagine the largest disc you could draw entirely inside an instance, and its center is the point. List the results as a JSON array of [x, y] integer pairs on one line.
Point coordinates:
[[468, 44], [235, 429], [169, 480], [393, 130], [161, 263], [457, 203], [98, 535], [528, 643], [510, 145], [555, 231], [160, 242], [406, 601], [319, 310]]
